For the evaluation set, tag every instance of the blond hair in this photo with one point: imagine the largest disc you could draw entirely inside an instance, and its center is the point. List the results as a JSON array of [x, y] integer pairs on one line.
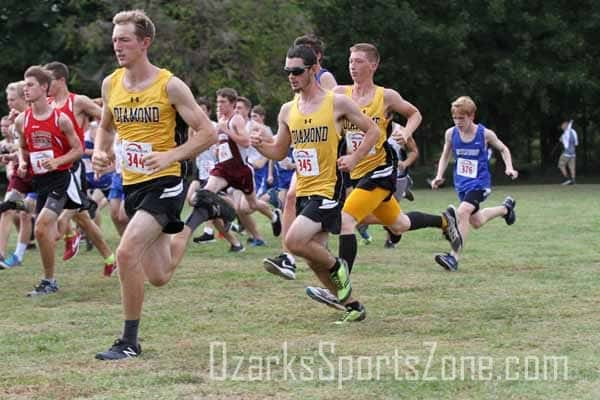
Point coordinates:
[[16, 87], [369, 49], [144, 27], [463, 105]]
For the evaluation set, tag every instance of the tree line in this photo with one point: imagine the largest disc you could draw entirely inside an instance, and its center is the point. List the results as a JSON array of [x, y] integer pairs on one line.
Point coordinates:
[[528, 65]]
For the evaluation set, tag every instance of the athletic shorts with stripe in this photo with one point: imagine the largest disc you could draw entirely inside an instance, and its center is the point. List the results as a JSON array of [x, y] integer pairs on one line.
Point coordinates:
[[56, 191], [373, 194], [162, 197]]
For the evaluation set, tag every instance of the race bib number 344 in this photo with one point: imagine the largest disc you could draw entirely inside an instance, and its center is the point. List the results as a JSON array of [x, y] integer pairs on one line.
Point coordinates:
[[307, 163], [133, 156]]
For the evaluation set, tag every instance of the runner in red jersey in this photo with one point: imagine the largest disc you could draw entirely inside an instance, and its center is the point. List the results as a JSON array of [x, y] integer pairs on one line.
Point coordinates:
[[49, 146], [78, 108]]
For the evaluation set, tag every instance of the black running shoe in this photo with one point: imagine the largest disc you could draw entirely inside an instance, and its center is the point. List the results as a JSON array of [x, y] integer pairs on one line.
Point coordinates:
[[281, 266], [276, 225], [120, 350], [237, 249], [452, 233], [44, 287], [447, 261], [408, 195], [204, 238], [510, 205], [214, 204]]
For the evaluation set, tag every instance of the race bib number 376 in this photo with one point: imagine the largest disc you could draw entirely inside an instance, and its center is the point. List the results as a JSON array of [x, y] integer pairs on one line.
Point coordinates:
[[467, 168], [307, 163]]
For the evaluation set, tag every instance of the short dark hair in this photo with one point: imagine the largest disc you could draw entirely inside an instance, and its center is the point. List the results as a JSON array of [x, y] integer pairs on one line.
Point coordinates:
[[204, 101], [229, 93], [58, 70], [307, 54], [260, 110], [246, 102], [39, 73], [312, 41]]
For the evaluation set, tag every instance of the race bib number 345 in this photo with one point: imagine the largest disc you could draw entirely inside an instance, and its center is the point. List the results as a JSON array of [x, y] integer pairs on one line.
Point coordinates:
[[307, 163], [133, 156]]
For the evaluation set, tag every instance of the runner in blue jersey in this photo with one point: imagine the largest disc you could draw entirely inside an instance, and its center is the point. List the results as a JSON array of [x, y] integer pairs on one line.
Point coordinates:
[[468, 142]]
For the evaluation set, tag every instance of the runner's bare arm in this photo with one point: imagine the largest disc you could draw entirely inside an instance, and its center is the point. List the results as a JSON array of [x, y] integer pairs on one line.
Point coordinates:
[[395, 103], [277, 149], [444, 159]]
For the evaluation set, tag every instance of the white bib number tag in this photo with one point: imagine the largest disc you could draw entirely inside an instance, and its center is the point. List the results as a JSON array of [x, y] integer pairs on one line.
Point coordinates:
[[133, 156], [467, 168], [224, 152], [354, 140], [307, 163], [36, 160], [87, 164]]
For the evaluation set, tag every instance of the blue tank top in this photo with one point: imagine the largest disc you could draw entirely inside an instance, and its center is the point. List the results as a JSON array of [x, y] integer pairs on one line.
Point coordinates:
[[471, 170], [321, 72]]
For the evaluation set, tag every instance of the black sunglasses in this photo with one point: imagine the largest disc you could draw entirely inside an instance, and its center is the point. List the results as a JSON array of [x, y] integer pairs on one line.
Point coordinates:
[[296, 70]]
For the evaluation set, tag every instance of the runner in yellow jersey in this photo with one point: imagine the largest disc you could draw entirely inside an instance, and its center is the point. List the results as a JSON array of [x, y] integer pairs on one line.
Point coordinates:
[[140, 101], [374, 177], [312, 124]]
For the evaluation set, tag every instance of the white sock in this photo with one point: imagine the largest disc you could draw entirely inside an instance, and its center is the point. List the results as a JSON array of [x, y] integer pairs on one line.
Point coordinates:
[[20, 250], [208, 231], [290, 257], [274, 217]]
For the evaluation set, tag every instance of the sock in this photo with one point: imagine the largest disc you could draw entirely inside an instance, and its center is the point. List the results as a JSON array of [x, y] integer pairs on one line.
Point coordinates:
[[197, 217], [420, 220], [444, 223], [130, 332], [274, 217], [208, 230], [290, 257], [347, 249], [69, 234], [110, 259], [51, 280], [336, 265], [20, 250]]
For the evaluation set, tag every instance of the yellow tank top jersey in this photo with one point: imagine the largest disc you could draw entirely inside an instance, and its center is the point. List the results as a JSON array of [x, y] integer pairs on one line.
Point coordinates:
[[316, 140], [354, 137], [145, 122]]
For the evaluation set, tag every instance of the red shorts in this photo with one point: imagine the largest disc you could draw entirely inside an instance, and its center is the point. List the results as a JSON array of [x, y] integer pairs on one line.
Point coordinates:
[[21, 185], [239, 177]]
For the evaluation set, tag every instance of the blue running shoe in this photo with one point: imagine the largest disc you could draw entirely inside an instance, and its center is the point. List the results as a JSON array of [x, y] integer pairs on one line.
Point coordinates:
[[447, 261], [10, 262]]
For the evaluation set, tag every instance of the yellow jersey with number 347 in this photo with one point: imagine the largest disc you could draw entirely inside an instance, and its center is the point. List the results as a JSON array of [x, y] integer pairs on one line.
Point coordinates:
[[316, 140], [145, 122], [354, 136]]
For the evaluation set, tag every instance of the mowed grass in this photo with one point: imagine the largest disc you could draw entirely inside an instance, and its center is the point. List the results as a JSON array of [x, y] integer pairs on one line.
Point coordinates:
[[522, 293]]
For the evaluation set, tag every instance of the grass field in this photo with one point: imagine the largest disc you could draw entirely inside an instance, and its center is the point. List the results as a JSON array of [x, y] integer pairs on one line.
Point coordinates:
[[518, 321]]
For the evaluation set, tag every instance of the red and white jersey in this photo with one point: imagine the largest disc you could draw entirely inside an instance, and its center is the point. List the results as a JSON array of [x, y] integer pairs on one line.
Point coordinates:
[[68, 109], [45, 140], [229, 153]]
